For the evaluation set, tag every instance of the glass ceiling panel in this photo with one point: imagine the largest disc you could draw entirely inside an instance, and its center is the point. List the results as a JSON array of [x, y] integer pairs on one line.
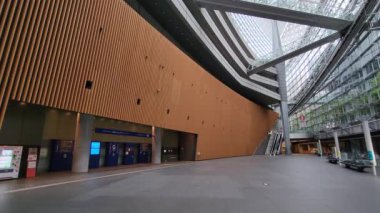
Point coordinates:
[[257, 34], [296, 36], [300, 69], [342, 9], [293, 36], [259, 42]]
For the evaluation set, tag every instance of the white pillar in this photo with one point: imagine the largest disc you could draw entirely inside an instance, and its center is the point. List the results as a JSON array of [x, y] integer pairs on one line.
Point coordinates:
[[320, 148], [369, 145], [337, 149], [83, 135], [156, 145]]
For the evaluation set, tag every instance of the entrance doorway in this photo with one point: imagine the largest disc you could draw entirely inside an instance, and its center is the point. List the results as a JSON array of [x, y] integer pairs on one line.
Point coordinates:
[[178, 146], [187, 146]]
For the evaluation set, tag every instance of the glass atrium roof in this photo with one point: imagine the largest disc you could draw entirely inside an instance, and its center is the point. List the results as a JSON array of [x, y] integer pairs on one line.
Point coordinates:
[[342, 9], [257, 35], [239, 34]]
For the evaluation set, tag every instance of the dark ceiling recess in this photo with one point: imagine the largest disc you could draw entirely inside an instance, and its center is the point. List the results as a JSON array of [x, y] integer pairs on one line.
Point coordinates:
[[162, 15]]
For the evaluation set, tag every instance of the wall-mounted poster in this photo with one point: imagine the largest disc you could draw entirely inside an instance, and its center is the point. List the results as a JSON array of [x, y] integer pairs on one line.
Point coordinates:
[[10, 158]]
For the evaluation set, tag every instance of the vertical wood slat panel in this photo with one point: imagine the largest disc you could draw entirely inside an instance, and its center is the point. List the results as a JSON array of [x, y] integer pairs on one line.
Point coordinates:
[[25, 47], [18, 42], [98, 62], [64, 72], [60, 59], [85, 33], [34, 71], [22, 75], [8, 10], [40, 60], [116, 108], [42, 91], [104, 58], [28, 72], [73, 73], [52, 82], [46, 52], [50, 48], [95, 32], [112, 58], [6, 43], [3, 8], [123, 90], [8, 50]]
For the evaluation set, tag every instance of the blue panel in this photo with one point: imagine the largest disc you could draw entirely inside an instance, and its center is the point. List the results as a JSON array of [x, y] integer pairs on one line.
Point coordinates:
[[95, 145], [95, 148], [94, 155], [94, 151]]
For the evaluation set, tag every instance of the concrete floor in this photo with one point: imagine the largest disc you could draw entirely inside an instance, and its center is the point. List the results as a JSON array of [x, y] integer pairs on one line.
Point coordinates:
[[247, 184]]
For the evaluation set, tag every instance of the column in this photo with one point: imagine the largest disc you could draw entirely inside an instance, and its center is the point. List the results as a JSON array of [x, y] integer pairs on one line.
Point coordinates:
[[337, 149], [281, 78], [156, 145], [83, 136], [369, 145], [320, 148], [285, 127]]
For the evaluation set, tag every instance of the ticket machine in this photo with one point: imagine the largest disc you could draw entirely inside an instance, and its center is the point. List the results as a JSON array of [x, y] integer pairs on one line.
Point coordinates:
[[145, 153], [112, 154], [129, 154], [61, 155], [94, 155]]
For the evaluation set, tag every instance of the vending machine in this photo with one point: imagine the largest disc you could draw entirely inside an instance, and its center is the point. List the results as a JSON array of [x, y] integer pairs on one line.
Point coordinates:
[[10, 158], [94, 155], [112, 154], [61, 155]]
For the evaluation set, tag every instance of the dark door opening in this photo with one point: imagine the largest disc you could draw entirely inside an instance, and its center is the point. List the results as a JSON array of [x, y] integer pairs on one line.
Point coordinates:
[[187, 146], [178, 146]]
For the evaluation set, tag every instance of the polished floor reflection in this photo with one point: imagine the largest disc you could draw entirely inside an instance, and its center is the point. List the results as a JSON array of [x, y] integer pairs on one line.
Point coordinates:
[[245, 184]]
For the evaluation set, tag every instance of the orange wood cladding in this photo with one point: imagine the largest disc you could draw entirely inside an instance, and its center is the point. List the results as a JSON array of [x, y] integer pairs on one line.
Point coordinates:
[[49, 49]]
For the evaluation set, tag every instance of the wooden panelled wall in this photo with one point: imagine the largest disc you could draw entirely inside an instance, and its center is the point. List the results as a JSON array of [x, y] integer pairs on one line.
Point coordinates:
[[49, 49]]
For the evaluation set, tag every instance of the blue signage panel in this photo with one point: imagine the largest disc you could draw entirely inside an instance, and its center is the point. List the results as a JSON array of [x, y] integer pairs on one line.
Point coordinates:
[[95, 148], [370, 155], [94, 155], [121, 132]]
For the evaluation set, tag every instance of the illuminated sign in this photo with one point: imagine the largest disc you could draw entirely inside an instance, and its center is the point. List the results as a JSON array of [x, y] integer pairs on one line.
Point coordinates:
[[6, 157], [95, 148]]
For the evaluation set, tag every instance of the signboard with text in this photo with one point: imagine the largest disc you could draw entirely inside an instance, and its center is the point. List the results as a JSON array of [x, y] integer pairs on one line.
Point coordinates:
[[123, 133]]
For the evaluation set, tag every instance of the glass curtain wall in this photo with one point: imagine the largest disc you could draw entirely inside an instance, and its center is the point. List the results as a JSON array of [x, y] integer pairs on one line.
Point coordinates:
[[350, 94]]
